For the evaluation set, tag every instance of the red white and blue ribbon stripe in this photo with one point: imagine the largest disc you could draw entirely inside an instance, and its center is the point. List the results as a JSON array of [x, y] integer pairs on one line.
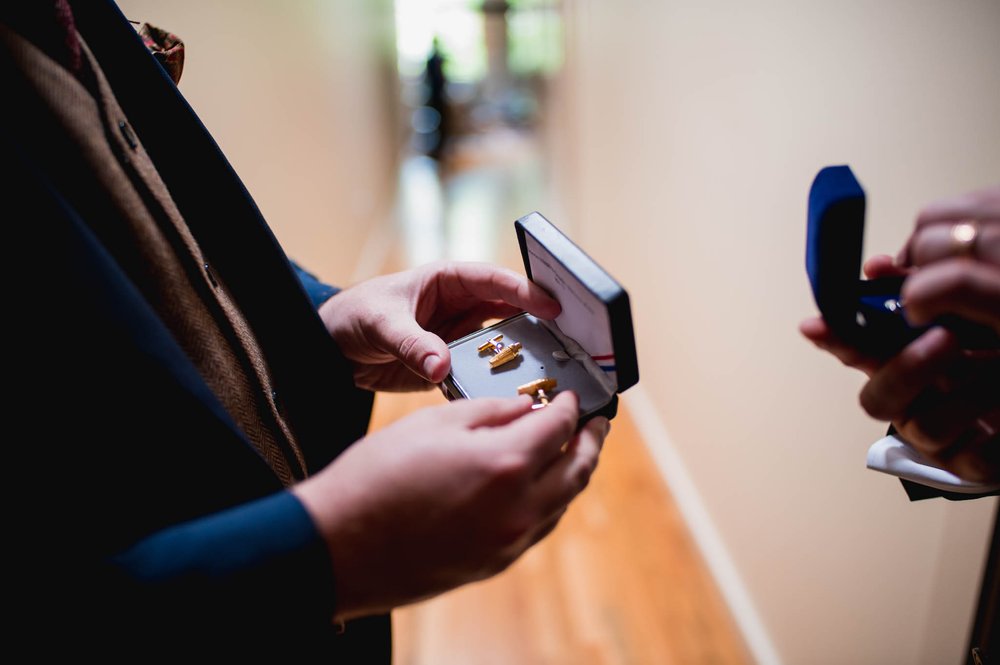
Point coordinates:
[[606, 363]]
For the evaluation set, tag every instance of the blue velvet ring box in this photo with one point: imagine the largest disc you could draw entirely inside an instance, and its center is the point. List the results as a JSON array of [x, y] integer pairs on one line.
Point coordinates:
[[589, 348], [865, 313]]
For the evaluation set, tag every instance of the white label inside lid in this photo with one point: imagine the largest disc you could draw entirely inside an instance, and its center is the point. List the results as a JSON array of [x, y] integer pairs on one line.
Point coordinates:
[[584, 316]]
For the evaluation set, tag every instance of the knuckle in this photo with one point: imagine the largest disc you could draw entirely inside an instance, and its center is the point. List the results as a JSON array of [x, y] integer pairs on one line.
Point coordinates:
[[502, 562], [508, 468], [513, 532], [974, 468], [565, 427], [580, 477], [568, 430], [445, 413], [922, 244], [958, 280], [439, 267], [931, 446], [872, 404], [406, 345], [378, 319]]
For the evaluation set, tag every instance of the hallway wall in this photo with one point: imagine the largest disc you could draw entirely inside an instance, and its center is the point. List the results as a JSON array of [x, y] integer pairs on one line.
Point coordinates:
[[302, 98], [689, 133]]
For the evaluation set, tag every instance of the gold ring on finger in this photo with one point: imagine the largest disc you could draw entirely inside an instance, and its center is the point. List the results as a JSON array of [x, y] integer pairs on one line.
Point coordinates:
[[963, 238]]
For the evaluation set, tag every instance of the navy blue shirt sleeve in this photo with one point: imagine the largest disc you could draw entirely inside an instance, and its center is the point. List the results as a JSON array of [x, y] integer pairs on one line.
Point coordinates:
[[318, 291]]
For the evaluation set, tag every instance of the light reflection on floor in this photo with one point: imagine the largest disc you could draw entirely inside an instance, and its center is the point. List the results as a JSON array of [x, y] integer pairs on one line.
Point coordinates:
[[421, 211], [464, 209]]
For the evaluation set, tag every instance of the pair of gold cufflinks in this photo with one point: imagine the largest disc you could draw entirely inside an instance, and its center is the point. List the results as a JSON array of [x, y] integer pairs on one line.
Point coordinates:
[[504, 353]]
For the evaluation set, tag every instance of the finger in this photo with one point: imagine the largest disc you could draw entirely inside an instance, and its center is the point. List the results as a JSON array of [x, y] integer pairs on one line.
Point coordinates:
[[979, 460], [815, 329], [945, 422], [570, 474], [542, 433], [934, 242], [483, 411], [547, 527], [982, 205], [967, 289], [423, 352], [891, 390], [960, 439], [979, 204], [818, 332], [484, 281], [883, 265]]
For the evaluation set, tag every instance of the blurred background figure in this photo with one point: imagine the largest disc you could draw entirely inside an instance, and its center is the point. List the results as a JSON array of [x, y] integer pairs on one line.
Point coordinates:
[[473, 78], [434, 129], [471, 69]]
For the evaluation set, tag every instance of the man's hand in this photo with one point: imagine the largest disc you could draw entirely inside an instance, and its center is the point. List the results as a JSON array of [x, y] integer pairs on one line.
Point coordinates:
[[943, 400], [395, 328], [449, 495]]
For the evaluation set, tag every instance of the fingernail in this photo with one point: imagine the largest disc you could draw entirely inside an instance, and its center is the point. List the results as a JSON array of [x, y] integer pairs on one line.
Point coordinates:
[[430, 364]]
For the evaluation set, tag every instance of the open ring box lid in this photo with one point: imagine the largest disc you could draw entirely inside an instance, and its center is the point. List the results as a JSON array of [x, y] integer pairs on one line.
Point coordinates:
[[589, 348]]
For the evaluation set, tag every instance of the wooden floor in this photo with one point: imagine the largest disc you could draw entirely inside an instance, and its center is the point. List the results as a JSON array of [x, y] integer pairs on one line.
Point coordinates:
[[618, 582]]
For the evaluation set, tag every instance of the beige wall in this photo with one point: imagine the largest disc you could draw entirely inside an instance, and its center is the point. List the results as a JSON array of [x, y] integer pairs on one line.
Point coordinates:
[[301, 97], [690, 134]]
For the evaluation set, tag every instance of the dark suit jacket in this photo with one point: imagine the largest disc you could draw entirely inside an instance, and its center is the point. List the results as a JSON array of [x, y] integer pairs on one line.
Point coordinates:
[[140, 515]]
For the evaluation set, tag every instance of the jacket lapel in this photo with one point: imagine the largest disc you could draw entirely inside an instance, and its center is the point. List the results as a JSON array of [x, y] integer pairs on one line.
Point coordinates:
[[310, 373]]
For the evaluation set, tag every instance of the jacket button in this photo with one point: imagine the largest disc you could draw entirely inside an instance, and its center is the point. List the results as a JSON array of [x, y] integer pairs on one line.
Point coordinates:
[[211, 277], [128, 134]]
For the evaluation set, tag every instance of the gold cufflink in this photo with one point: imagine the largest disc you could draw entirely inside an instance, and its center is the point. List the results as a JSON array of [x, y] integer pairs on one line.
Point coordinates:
[[502, 353], [537, 389]]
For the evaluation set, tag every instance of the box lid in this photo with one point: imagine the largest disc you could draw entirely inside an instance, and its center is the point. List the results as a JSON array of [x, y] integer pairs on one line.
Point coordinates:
[[595, 308], [834, 237]]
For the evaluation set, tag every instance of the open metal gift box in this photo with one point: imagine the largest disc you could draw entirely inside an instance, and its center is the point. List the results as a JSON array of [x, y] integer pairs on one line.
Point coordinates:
[[589, 348]]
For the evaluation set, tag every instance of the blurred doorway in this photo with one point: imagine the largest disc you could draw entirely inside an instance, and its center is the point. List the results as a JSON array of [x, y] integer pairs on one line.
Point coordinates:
[[474, 79]]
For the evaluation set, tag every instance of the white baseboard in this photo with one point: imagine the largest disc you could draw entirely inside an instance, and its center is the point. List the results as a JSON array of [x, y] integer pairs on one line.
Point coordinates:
[[700, 524]]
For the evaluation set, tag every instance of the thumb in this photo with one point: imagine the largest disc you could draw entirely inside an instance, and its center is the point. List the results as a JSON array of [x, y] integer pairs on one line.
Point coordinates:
[[421, 351]]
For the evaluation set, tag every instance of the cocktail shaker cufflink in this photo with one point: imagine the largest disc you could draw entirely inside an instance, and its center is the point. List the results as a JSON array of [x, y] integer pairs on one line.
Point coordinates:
[[502, 353]]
